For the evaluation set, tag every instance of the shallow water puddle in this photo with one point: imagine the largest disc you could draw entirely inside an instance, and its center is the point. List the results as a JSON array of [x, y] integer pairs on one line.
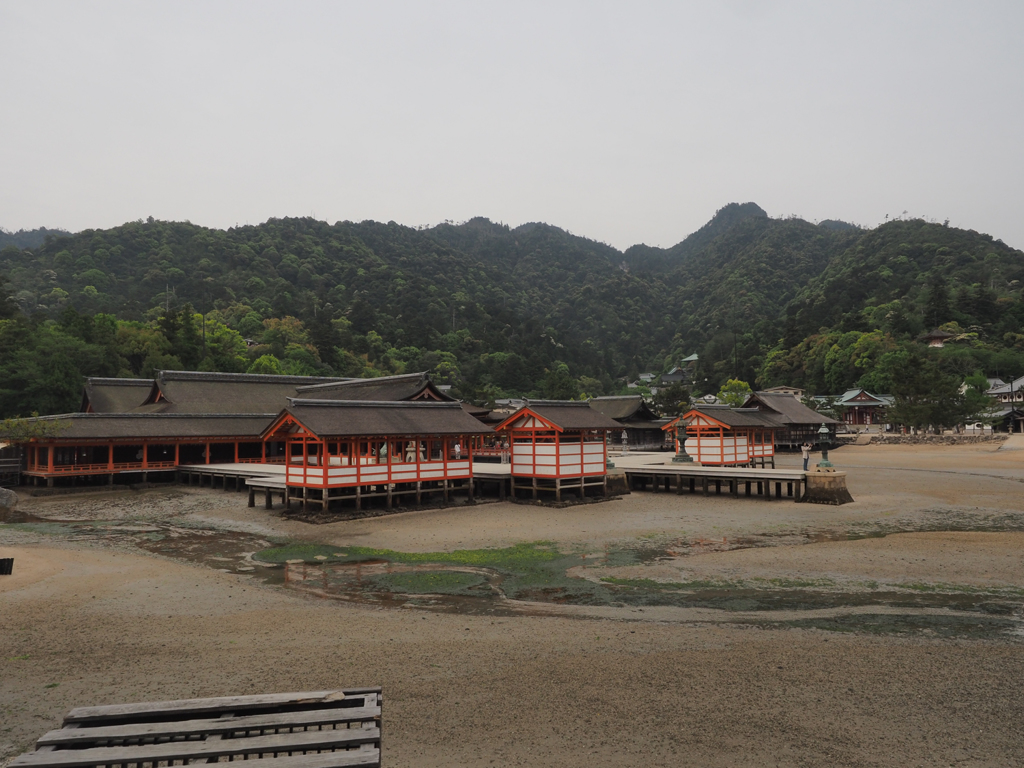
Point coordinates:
[[515, 579]]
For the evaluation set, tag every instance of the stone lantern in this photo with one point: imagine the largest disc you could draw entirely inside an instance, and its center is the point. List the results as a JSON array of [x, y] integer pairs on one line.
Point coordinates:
[[823, 441]]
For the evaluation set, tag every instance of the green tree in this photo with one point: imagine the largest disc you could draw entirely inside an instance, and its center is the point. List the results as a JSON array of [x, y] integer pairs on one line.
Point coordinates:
[[734, 392], [558, 384], [923, 395], [673, 400], [977, 403], [266, 364]]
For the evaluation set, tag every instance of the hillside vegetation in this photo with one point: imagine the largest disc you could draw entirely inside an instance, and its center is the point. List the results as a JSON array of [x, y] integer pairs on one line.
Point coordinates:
[[497, 311]]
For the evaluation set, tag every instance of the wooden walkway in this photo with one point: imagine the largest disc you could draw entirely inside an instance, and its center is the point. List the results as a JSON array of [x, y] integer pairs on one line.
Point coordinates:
[[320, 729], [765, 483], [268, 480]]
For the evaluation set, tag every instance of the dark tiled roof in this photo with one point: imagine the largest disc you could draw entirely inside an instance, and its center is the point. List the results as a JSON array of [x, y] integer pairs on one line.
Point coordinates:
[[198, 392], [740, 417], [362, 418], [154, 426], [571, 414], [624, 407], [115, 395], [787, 409], [404, 387]]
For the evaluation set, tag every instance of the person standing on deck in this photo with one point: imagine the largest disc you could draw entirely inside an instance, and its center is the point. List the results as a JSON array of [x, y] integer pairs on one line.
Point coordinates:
[[805, 451], [458, 451]]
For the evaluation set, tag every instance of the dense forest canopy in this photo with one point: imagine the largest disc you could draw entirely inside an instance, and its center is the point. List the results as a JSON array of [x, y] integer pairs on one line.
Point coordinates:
[[499, 311]]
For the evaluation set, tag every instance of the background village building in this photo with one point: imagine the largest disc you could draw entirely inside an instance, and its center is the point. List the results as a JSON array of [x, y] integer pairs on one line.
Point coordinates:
[[558, 445], [936, 338], [635, 417], [783, 390], [861, 408], [717, 435], [800, 424], [349, 450], [1010, 416]]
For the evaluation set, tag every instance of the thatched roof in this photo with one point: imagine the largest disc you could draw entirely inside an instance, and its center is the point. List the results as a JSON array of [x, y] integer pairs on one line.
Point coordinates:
[[155, 426], [787, 409], [738, 417], [361, 418], [114, 395], [407, 386], [200, 392], [623, 408], [566, 414]]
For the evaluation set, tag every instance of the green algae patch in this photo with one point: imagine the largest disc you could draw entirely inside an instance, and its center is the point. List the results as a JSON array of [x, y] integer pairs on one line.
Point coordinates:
[[979, 627]]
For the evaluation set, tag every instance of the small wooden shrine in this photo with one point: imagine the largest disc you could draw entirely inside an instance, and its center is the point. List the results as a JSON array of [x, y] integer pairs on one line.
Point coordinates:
[[717, 435], [339, 450], [558, 445]]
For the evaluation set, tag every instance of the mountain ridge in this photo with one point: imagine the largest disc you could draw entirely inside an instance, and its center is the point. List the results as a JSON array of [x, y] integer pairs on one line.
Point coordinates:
[[498, 309]]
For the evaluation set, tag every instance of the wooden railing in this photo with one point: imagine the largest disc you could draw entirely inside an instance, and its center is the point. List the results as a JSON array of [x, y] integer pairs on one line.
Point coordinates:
[[64, 469]]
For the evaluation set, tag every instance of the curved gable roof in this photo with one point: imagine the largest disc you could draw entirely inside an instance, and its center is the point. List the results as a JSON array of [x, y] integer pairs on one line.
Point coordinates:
[[114, 395], [362, 418], [787, 409], [201, 392], [409, 386]]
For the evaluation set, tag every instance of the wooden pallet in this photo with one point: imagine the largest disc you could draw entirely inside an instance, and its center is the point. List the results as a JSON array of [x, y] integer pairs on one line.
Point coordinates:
[[320, 729]]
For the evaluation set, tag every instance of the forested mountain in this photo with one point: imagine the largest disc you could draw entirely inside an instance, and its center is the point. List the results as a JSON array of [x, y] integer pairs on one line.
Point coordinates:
[[29, 238], [497, 310]]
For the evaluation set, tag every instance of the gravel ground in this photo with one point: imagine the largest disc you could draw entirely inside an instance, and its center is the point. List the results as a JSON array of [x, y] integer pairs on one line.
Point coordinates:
[[87, 622]]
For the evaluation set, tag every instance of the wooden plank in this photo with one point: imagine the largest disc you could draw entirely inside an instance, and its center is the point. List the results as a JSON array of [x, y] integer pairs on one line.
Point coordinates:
[[150, 730], [189, 750], [367, 756], [209, 706]]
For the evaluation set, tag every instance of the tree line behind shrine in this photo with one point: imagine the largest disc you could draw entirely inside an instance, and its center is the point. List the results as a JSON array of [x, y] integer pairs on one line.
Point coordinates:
[[497, 311]]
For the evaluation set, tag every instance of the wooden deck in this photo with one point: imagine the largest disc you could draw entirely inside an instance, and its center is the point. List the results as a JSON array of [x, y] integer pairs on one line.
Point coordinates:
[[320, 729], [269, 480], [737, 481]]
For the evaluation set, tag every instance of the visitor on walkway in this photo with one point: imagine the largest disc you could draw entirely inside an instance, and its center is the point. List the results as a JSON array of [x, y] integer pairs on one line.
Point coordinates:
[[458, 451], [805, 451]]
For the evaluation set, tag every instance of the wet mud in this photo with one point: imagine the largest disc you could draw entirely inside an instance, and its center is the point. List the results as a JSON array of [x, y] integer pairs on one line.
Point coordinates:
[[521, 579]]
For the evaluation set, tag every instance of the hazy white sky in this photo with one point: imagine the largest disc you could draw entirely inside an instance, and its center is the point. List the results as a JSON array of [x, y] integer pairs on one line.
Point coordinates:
[[624, 122]]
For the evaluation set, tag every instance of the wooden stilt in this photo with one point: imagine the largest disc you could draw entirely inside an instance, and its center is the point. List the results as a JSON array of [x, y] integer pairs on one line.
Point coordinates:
[[268, 501], [252, 497]]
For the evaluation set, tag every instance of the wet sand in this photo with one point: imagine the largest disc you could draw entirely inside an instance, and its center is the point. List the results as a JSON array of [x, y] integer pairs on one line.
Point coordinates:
[[88, 623]]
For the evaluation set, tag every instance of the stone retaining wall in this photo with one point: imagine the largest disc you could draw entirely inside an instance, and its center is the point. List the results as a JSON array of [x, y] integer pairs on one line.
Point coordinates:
[[890, 439]]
